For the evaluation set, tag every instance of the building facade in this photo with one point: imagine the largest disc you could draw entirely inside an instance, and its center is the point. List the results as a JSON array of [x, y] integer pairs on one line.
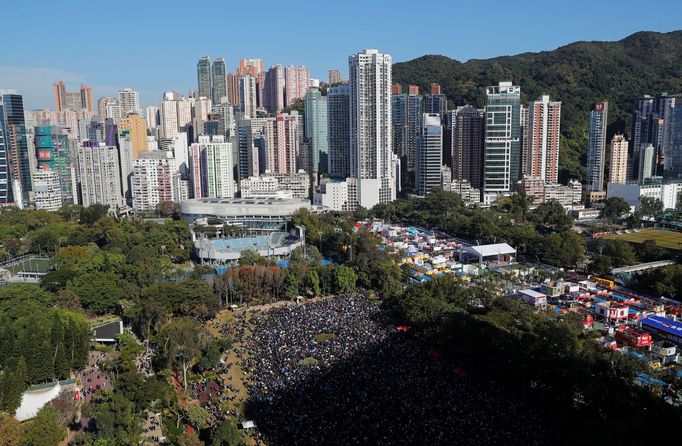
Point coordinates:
[[429, 154], [338, 101], [596, 145], [502, 154], [619, 159], [372, 162]]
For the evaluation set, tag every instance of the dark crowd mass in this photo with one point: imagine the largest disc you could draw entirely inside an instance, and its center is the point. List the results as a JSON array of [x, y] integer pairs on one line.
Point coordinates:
[[338, 372]]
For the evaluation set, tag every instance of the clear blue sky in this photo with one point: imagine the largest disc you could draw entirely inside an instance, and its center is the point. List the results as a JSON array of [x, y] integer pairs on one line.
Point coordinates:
[[153, 45]]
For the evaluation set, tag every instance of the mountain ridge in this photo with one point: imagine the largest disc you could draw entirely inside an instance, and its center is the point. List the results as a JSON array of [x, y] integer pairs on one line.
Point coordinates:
[[577, 74]]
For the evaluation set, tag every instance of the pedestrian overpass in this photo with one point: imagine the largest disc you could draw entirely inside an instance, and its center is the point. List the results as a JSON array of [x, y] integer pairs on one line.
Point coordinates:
[[623, 275]]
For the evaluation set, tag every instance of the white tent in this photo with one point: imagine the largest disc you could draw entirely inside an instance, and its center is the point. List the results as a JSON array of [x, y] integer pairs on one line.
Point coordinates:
[[494, 250], [33, 401]]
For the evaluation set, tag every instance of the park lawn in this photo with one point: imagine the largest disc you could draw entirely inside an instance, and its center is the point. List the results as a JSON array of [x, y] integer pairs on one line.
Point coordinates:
[[664, 239]]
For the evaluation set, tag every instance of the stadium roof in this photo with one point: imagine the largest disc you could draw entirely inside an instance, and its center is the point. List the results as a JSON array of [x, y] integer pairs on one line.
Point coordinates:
[[107, 332], [491, 250], [664, 324], [234, 207]]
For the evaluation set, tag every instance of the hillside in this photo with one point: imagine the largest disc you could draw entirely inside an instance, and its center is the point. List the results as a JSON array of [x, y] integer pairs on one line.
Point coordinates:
[[578, 74]]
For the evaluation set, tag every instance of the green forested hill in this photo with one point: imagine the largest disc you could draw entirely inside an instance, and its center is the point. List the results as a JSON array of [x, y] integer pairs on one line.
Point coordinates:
[[578, 75]]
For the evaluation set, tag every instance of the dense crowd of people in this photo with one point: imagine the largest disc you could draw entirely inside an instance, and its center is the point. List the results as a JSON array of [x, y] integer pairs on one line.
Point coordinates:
[[339, 371]]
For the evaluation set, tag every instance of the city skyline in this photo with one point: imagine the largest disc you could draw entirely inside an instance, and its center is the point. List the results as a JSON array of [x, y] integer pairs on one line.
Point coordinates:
[[40, 60]]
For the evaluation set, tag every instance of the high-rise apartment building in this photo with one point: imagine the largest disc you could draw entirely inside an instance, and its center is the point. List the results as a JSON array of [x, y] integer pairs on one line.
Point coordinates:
[[429, 154], [6, 195], [47, 193], [647, 162], [211, 168], [108, 108], [338, 101], [406, 117], [436, 102], [67, 100], [98, 174], [596, 145], [297, 80], [542, 139], [335, 77], [316, 129], [136, 126], [247, 95], [204, 77], [129, 100], [372, 163], [218, 80], [281, 144], [153, 117], [87, 99], [619, 160], [468, 135], [152, 180], [251, 67], [502, 154], [273, 91], [233, 89]]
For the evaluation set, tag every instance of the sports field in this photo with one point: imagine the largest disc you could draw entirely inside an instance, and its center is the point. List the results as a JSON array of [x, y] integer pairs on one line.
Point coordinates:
[[664, 239]]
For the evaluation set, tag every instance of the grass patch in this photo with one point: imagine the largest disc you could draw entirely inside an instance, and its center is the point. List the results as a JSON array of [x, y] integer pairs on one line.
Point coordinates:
[[324, 337], [664, 239], [308, 361]]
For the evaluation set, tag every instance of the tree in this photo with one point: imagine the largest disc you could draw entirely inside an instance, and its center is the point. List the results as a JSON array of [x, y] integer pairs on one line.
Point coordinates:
[[189, 439], [44, 429], [115, 418], [650, 206], [181, 340], [197, 416], [614, 208], [344, 279], [226, 434], [98, 291], [91, 214], [10, 430]]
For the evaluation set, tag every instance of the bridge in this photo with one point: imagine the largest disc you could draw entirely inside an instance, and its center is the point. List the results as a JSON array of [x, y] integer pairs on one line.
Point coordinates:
[[623, 275], [642, 267]]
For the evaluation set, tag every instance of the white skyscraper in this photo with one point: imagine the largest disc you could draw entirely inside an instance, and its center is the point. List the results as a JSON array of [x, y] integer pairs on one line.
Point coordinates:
[[129, 100], [373, 164], [47, 192], [211, 168], [429, 154], [247, 96], [152, 180], [99, 177], [596, 145], [152, 114]]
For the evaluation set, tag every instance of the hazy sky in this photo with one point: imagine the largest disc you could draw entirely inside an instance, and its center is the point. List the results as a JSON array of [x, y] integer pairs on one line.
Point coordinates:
[[153, 45]]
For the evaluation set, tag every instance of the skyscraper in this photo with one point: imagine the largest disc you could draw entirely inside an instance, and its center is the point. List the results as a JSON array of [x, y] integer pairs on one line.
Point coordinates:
[[233, 89], [647, 162], [251, 67], [335, 77], [5, 171], [247, 95], [129, 100], [468, 136], [502, 154], [59, 90], [339, 131], [99, 175], [542, 139], [436, 102], [281, 144], [211, 168], [47, 194], [373, 164], [429, 154], [219, 80], [136, 126], [152, 180], [316, 128], [204, 77], [16, 142], [406, 119], [273, 90], [297, 80], [87, 99], [619, 159], [596, 145]]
